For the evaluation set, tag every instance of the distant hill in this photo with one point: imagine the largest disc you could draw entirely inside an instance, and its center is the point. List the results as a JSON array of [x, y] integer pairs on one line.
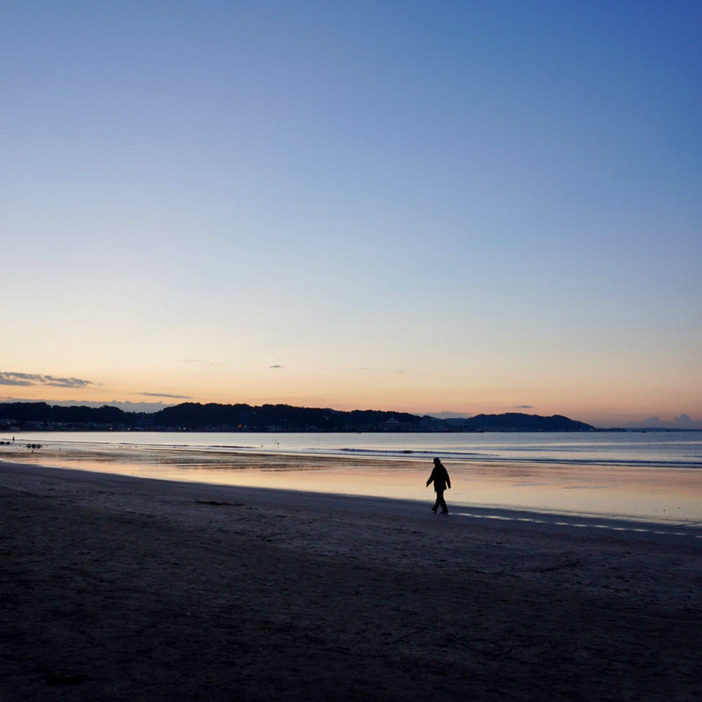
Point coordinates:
[[192, 416], [516, 421], [240, 417]]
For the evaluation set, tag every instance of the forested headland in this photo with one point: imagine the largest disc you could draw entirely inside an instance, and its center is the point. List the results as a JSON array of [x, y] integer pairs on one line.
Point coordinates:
[[191, 416]]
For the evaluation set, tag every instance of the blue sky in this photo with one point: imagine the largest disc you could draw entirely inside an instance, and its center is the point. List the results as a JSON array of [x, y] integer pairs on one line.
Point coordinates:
[[427, 206]]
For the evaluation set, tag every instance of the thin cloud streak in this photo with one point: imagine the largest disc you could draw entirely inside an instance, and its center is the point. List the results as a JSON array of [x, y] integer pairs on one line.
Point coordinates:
[[36, 380], [200, 362]]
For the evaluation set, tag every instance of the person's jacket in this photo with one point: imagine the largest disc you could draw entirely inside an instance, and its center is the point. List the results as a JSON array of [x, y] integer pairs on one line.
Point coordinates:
[[440, 478]]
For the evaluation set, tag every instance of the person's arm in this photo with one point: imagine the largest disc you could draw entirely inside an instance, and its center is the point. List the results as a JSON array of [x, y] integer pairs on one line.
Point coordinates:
[[448, 480]]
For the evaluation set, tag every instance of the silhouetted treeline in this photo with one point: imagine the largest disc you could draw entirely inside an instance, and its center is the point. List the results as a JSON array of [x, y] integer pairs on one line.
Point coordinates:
[[191, 416], [42, 412], [283, 418]]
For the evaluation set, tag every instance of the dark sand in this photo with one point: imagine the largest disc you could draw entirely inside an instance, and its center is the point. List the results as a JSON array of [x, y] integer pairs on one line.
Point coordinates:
[[122, 588]]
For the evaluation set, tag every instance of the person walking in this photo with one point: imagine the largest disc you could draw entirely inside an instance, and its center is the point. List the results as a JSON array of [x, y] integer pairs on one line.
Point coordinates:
[[440, 477]]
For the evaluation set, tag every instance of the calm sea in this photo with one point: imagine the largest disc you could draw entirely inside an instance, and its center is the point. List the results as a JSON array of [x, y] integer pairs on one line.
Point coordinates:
[[682, 449]]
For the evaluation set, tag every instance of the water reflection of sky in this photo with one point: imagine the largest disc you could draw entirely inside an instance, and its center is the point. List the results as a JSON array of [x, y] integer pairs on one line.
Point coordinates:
[[672, 495], [665, 448]]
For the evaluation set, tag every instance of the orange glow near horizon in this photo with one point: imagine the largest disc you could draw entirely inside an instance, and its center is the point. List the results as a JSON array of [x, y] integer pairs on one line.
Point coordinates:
[[616, 412]]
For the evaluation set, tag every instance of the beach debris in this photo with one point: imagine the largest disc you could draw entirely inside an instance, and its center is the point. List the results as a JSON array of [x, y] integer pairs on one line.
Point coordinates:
[[215, 503]]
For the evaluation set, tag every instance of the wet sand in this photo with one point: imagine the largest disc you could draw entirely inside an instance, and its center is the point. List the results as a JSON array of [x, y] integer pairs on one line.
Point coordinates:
[[671, 495], [114, 587]]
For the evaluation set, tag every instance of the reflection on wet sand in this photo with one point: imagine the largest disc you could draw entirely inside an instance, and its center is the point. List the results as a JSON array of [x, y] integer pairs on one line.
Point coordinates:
[[672, 495]]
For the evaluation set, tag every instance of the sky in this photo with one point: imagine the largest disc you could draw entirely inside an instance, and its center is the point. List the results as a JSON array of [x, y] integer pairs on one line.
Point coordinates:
[[426, 206]]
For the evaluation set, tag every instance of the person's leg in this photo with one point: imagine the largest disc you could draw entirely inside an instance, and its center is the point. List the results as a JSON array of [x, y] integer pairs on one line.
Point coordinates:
[[441, 502]]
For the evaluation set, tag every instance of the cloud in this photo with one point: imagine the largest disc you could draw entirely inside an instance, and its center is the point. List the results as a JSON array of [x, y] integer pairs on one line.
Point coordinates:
[[448, 415], [34, 380], [165, 394], [370, 369], [275, 366], [523, 407], [682, 421], [200, 362]]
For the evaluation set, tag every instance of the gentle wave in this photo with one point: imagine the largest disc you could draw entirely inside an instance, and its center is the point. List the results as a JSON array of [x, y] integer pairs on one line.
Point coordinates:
[[662, 449], [493, 457]]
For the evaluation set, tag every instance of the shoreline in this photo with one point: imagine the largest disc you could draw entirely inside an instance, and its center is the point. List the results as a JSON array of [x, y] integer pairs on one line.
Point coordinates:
[[671, 496], [124, 588], [475, 514]]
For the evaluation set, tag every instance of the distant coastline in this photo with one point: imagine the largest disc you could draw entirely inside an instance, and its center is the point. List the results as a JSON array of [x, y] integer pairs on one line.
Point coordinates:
[[190, 416]]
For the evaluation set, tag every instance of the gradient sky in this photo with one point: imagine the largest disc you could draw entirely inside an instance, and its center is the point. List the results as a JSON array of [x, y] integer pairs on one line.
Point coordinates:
[[421, 206]]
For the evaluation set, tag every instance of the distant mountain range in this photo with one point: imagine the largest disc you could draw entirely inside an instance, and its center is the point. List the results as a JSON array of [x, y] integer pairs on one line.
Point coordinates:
[[190, 416]]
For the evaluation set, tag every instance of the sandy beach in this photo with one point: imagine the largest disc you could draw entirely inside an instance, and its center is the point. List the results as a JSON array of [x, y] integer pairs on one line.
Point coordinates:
[[121, 588]]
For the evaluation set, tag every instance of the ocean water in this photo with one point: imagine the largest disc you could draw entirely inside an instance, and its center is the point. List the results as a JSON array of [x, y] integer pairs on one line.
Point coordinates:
[[649, 476], [681, 449]]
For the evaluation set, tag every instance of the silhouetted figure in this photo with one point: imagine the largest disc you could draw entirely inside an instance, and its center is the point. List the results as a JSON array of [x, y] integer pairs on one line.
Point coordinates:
[[440, 477]]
